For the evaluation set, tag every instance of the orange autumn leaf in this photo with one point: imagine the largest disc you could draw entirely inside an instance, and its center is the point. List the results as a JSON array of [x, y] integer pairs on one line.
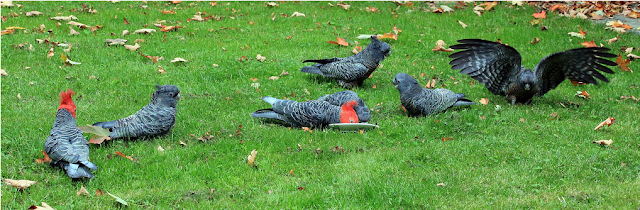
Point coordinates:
[[618, 24], [46, 158], [431, 84], [484, 101], [583, 33], [393, 36], [341, 41], [623, 63], [555, 6], [488, 5], [124, 156], [125, 21], [607, 122], [577, 83], [588, 44], [168, 12], [583, 94], [540, 15], [438, 48], [446, 139], [99, 192]]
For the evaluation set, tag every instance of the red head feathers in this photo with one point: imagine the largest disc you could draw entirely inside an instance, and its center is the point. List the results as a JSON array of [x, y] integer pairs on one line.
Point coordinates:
[[67, 103], [348, 114]]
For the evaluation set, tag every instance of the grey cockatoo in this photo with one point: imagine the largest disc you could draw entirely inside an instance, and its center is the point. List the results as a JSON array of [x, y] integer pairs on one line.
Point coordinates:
[[311, 113], [339, 98], [156, 118], [424, 101], [499, 67], [351, 71], [66, 146]]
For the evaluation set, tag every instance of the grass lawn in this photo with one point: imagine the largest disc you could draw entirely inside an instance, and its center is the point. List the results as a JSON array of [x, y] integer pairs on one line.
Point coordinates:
[[515, 157]]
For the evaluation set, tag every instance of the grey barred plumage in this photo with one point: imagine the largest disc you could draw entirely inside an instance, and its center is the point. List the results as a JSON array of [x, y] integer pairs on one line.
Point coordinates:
[[499, 67], [351, 71], [423, 101], [310, 114], [67, 148], [339, 98], [156, 118]]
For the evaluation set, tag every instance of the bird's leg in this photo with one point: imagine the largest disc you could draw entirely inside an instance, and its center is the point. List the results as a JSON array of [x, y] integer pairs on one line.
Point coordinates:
[[512, 99]]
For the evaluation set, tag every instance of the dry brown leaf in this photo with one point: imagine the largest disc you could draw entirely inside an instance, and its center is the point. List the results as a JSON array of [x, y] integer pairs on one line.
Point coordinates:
[[144, 31], [50, 53], [522, 120], [73, 32], [20, 184], [297, 14], [251, 159], [46, 158], [82, 191], [340, 41], [79, 25], [632, 56], [540, 15], [607, 122], [588, 44], [99, 192], [343, 5], [124, 156], [462, 24], [272, 4], [33, 13], [488, 5], [438, 48], [623, 63], [431, 84], [178, 59], [603, 142], [389, 35], [132, 47], [260, 58], [371, 9], [553, 116], [68, 18], [284, 73], [484, 101], [583, 94], [274, 78], [161, 70], [44, 206], [535, 40], [441, 185], [614, 39], [168, 12]]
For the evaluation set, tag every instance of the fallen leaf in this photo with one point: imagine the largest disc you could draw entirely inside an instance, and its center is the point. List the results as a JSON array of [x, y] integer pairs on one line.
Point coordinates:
[[343, 5], [33, 13], [125, 21], [144, 31], [341, 41], [178, 59], [274, 77], [82, 191], [132, 47], [118, 199], [99, 192], [251, 159], [297, 14], [393, 36], [553, 116], [484, 101], [44, 206], [68, 18], [260, 58], [79, 25], [272, 4], [446, 8], [73, 32], [431, 84], [462, 24], [488, 5], [111, 42], [587, 44], [632, 56], [614, 39], [446, 139], [582, 32], [441, 185], [535, 40], [124, 156], [603, 142], [253, 79], [521, 120], [161, 70], [46, 158], [371, 9], [623, 63], [629, 97], [438, 48], [576, 35], [583, 94], [182, 143], [67, 61], [284, 73], [540, 15], [607, 122], [168, 12], [153, 58], [160, 149], [50, 53], [100, 134], [20, 184]]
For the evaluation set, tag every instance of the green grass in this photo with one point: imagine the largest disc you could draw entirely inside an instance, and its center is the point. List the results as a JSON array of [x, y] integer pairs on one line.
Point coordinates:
[[499, 162]]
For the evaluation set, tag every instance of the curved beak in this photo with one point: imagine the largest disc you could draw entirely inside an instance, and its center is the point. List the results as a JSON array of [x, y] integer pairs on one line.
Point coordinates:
[[527, 87]]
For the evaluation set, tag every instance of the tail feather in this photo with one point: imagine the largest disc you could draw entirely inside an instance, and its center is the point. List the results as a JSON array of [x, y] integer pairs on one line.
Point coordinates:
[[270, 100], [322, 61], [462, 101], [312, 70], [109, 124], [267, 113], [89, 164]]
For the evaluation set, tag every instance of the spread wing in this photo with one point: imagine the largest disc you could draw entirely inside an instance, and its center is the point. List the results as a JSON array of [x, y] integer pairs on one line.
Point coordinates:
[[581, 65], [488, 62]]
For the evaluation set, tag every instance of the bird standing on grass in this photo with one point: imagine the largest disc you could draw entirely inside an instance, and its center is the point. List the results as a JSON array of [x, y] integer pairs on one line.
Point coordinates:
[[310, 114], [156, 118], [499, 67], [423, 101], [351, 71], [66, 146]]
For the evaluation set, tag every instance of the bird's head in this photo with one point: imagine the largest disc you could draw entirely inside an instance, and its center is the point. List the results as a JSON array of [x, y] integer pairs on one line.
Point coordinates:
[[347, 112], [167, 95], [381, 46], [527, 80], [67, 103], [404, 82]]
